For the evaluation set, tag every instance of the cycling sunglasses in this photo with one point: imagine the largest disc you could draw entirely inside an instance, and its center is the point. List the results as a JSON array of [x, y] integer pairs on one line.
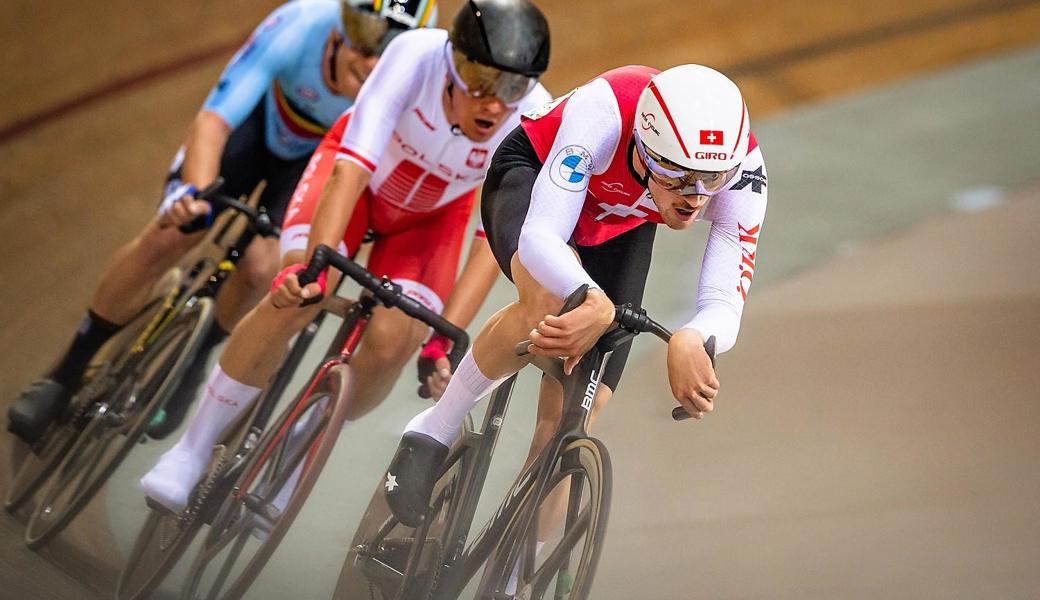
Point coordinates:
[[483, 81], [369, 33], [675, 178]]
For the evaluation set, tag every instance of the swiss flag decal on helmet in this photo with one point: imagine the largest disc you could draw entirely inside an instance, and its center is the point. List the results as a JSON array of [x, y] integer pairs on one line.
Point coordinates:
[[711, 137]]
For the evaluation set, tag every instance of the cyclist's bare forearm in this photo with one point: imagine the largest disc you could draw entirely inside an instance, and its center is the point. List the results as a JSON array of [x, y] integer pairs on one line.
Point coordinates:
[[203, 148], [473, 285], [337, 202]]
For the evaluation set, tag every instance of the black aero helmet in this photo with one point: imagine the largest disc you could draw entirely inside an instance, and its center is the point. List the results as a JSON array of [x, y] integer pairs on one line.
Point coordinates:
[[511, 35]]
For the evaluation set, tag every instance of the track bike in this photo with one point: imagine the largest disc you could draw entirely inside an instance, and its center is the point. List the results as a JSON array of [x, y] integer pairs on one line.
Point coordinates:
[[388, 560], [165, 535], [239, 498], [130, 379]]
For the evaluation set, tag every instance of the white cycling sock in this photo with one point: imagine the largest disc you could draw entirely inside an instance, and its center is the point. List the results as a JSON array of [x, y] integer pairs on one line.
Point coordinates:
[[514, 579], [443, 420], [223, 400]]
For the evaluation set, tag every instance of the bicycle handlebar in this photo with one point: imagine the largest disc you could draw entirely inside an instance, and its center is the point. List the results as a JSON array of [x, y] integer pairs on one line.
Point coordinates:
[[258, 219], [388, 293], [634, 321]]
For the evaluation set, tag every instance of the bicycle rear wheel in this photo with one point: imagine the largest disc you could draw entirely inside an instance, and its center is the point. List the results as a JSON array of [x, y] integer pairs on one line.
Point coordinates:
[[117, 421], [565, 566], [49, 451], [250, 524], [386, 560], [165, 536]]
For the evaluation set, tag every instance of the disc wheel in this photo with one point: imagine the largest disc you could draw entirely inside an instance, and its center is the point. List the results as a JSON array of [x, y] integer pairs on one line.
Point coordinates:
[[563, 569], [117, 422], [384, 562], [271, 490]]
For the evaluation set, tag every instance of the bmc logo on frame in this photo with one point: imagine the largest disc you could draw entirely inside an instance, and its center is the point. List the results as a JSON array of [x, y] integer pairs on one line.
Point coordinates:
[[590, 392]]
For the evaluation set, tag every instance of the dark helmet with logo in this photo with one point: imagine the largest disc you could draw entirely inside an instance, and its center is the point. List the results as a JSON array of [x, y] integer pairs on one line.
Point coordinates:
[[510, 35], [371, 24]]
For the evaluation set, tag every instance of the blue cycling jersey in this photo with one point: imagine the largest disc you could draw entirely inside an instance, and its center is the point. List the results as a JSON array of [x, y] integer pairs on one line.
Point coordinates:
[[281, 63]]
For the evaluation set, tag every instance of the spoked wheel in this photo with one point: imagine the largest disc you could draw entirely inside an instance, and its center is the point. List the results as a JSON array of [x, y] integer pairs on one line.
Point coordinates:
[[579, 488], [165, 536], [49, 451], [38, 466], [384, 561], [117, 421], [273, 486]]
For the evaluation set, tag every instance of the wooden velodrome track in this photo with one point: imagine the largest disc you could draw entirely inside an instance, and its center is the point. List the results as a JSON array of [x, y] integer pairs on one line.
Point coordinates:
[[98, 96]]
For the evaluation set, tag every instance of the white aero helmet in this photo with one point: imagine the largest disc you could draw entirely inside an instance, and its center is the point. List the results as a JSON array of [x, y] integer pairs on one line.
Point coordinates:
[[694, 118]]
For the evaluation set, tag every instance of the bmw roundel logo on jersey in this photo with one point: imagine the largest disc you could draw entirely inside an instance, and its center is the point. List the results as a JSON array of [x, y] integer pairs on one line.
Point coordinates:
[[571, 168]]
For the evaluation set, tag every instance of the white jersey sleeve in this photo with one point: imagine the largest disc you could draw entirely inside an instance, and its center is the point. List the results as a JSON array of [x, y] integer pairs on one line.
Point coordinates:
[[589, 133], [390, 89], [736, 216]]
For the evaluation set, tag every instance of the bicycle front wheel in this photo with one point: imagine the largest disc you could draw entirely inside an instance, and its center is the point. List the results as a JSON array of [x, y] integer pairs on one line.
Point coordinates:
[[569, 518], [117, 421], [271, 490]]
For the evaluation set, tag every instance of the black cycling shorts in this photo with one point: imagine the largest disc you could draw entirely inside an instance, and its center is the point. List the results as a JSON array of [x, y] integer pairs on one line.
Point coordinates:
[[619, 265], [247, 161]]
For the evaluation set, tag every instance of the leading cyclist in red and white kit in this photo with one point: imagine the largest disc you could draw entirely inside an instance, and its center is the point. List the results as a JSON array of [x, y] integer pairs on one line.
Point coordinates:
[[574, 197], [414, 149]]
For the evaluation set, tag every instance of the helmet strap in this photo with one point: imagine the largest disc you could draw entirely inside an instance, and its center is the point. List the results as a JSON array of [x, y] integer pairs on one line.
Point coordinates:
[[333, 57], [449, 104], [633, 160]]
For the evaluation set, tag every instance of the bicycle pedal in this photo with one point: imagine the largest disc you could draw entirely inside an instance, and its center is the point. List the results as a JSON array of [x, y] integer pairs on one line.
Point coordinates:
[[159, 508]]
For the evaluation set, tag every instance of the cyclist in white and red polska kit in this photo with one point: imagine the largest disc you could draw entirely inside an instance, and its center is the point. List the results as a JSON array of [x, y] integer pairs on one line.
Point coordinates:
[[574, 196], [414, 149], [287, 84]]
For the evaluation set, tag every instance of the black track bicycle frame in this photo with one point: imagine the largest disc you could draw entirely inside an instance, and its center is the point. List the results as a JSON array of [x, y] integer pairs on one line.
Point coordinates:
[[460, 563]]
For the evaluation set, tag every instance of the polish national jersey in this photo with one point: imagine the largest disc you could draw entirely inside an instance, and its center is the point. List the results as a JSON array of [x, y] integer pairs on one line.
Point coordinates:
[[589, 191], [281, 63], [398, 129]]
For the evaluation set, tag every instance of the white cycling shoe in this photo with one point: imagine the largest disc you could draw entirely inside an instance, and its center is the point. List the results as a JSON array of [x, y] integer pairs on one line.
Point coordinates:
[[172, 479]]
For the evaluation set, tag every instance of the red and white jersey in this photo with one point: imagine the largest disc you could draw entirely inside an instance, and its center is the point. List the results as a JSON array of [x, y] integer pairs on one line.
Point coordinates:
[[588, 191], [400, 133]]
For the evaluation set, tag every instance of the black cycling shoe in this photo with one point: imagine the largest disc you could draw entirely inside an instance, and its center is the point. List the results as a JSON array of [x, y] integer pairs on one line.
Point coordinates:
[[411, 476], [36, 408]]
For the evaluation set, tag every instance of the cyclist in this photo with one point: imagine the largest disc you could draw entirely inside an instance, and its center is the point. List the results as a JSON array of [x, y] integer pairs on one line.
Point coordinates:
[[297, 72], [573, 197], [414, 149]]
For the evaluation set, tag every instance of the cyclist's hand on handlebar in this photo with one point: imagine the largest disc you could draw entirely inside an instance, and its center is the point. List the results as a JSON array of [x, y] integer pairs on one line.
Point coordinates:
[[180, 207], [286, 291], [690, 373], [570, 335], [434, 366]]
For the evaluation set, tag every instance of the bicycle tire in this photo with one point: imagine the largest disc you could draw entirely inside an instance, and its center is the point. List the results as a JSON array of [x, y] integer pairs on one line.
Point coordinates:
[[587, 457], [368, 574], [85, 463], [38, 466], [233, 522]]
